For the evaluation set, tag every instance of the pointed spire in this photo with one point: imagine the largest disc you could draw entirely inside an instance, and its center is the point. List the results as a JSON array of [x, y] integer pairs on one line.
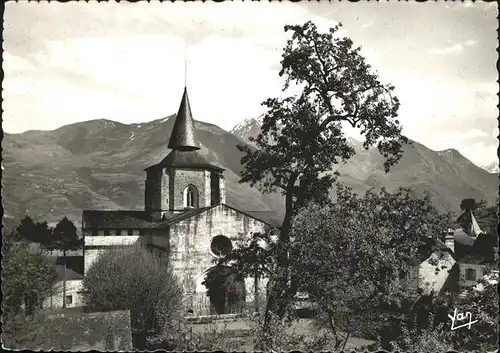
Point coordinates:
[[183, 136]]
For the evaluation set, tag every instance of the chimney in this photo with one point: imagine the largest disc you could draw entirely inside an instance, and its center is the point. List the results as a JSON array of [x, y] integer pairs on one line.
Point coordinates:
[[449, 240]]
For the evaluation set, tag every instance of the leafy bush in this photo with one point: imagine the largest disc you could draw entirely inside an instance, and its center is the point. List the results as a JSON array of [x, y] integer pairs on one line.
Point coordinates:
[[427, 341], [279, 338], [28, 278], [140, 280]]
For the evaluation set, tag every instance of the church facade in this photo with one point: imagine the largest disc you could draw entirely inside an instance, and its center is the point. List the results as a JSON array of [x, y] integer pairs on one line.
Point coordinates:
[[185, 215]]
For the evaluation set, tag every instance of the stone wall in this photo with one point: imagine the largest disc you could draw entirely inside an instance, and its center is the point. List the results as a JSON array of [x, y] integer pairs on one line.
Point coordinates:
[[190, 242], [152, 199], [108, 331], [480, 272], [183, 178]]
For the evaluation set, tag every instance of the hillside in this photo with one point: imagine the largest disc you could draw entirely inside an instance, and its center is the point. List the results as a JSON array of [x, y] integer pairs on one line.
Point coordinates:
[[100, 164], [447, 175]]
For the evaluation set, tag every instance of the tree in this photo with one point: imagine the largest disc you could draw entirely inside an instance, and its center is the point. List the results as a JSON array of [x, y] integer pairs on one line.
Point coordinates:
[[355, 258], [433, 333], [65, 238], [483, 305], [302, 136], [24, 272], [26, 229], [255, 256], [140, 280], [28, 279], [34, 232]]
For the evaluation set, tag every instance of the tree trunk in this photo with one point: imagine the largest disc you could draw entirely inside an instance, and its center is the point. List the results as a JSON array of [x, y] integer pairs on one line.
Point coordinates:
[[277, 301], [64, 280], [256, 292]]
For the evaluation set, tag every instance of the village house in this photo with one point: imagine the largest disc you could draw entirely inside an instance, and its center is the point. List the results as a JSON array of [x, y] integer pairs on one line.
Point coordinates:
[[463, 257], [185, 215], [73, 276]]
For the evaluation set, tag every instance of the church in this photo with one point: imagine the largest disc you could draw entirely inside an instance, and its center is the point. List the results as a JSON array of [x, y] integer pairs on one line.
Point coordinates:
[[185, 214]]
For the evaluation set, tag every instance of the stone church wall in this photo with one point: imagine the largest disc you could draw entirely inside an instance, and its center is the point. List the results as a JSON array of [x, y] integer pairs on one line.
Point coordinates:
[[190, 245], [185, 177]]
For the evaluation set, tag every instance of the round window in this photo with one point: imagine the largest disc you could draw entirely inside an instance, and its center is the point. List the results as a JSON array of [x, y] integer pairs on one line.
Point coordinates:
[[221, 245]]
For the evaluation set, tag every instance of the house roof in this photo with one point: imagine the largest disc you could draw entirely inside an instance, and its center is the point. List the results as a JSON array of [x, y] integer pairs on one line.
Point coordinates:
[[186, 159], [183, 137], [475, 259], [74, 267], [463, 238]]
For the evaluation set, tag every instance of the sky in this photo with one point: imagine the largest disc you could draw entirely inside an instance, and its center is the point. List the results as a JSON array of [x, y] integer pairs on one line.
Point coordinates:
[[70, 62]]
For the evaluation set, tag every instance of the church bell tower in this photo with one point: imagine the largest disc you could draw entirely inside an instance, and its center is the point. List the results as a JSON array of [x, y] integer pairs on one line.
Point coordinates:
[[184, 180]]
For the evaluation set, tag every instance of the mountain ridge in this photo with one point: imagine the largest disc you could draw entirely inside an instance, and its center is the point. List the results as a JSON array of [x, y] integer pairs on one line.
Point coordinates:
[[99, 164]]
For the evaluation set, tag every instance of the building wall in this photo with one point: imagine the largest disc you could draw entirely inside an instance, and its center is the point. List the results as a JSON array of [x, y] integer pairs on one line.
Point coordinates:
[[189, 245], [153, 197], [165, 189], [73, 287], [190, 241], [185, 177], [480, 272], [430, 279]]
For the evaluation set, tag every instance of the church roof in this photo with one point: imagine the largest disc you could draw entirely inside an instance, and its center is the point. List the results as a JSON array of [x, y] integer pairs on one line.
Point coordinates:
[[183, 137], [186, 159], [93, 219], [268, 217], [115, 219], [132, 219]]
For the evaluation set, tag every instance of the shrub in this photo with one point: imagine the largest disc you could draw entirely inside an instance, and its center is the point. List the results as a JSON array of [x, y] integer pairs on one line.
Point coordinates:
[[279, 338], [140, 280]]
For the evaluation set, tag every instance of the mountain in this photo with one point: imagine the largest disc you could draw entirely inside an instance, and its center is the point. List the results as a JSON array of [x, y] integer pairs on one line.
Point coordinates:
[[447, 175], [100, 164], [246, 129]]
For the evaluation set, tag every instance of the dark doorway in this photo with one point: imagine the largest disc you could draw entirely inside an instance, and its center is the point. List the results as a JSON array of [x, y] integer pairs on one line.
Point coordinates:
[[226, 290]]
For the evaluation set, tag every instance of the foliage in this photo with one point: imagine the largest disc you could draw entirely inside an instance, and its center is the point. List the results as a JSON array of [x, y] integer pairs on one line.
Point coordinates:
[[302, 136], [212, 339], [64, 236], [225, 288], [355, 258], [427, 327], [483, 305], [281, 337], [140, 280], [254, 255], [471, 204], [28, 277], [27, 280], [34, 232], [427, 341]]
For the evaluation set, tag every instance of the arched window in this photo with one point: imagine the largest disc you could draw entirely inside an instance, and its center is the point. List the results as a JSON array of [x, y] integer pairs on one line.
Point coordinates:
[[190, 197]]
